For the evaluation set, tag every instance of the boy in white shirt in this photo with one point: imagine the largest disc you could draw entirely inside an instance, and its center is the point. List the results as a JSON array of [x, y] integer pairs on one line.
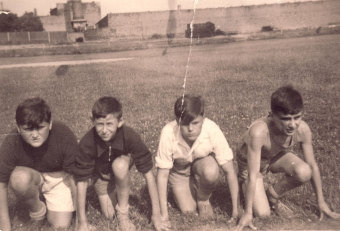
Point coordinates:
[[190, 151]]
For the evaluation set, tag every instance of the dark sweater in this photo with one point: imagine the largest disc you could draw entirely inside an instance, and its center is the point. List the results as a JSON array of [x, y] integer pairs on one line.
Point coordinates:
[[57, 153], [94, 153]]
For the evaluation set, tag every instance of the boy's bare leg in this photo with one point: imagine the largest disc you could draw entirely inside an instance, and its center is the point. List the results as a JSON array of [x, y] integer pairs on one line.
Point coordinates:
[[297, 172], [183, 194], [206, 174], [107, 203], [26, 183], [59, 219], [261, 206], [120, 167]]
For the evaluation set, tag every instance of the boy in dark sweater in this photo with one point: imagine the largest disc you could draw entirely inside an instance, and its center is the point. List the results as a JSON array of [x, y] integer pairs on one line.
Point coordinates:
[[107, 152], [36, 158]]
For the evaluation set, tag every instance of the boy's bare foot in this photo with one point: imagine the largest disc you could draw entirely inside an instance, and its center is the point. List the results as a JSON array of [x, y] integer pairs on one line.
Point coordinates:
[[204, 209]]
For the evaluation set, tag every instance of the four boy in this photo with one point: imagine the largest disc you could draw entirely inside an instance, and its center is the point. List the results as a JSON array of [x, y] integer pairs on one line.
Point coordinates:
[[41, 159]]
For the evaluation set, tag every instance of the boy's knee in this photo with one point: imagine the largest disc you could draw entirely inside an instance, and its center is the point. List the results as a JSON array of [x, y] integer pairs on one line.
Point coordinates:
[[22, 179], [60, 223], [262, 213], [59, 220], [303, 173], [120, 167], [210, 174]]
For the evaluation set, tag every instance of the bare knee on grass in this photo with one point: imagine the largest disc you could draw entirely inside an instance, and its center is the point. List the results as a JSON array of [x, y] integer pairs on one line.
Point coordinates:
[[59, 219], [184, 197]]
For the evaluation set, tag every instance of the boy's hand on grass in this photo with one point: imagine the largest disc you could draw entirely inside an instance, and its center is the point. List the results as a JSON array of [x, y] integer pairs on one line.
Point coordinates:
[[166, 225], [246, 220], [156, 221], [324, 209]]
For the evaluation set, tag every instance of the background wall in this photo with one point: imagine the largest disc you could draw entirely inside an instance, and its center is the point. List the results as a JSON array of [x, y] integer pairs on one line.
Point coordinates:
[[245, 19]]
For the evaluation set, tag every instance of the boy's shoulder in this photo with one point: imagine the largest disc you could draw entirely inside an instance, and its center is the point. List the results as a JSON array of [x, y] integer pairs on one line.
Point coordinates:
[[61, 131], [12, 140], [259, 129], [303, 131]]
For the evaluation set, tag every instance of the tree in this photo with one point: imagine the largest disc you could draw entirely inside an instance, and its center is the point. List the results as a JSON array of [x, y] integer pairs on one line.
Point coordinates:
[[9, 22], [30, 22]]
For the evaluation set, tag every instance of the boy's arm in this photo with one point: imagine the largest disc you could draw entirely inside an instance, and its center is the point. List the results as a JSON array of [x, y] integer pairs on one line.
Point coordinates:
[[153, 192], [162, 183], [5, 224], [81, 206], [257, 138], [229, 170], [307, 149]]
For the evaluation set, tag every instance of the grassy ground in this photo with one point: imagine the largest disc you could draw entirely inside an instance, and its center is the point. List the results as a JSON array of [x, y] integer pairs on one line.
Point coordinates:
[[236, 80]]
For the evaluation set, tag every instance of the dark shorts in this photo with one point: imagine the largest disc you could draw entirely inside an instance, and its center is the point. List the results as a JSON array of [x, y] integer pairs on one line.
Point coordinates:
[[264, 165]]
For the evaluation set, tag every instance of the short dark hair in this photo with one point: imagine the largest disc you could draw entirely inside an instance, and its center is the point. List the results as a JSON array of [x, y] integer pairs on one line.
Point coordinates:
[[286, 100], [106, 105], [32, 112], [188, 107]]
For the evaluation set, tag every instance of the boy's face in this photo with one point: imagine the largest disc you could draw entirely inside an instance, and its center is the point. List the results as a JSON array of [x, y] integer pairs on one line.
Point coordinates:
[[191, 131], [107, 127], [35, 136], [287, 123]]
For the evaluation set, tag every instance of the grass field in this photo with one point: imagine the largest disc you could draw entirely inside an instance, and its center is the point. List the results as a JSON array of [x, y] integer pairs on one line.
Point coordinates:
[[236, 80]]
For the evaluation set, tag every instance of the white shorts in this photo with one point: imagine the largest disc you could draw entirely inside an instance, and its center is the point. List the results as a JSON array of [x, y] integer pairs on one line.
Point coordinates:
[[57, 189]]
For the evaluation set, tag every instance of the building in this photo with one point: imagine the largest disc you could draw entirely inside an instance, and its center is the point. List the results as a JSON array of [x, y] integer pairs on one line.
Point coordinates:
[[72, 16]]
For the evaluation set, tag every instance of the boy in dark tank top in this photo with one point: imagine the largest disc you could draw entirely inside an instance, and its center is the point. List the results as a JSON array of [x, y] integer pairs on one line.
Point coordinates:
[[267, 146]]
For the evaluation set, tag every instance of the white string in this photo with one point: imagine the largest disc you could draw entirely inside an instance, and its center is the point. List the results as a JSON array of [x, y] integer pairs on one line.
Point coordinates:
[[188, 60]]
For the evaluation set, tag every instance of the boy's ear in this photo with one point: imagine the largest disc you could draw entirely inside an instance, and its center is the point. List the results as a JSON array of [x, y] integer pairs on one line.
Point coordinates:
[[120, 123], [18, 129]]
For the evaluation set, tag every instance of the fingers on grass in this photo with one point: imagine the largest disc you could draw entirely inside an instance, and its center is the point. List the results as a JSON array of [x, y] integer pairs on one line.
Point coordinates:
[[251, 225]]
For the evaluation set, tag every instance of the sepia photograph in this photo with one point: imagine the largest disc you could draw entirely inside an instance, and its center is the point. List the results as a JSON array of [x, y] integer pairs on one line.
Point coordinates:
[[169, 115]]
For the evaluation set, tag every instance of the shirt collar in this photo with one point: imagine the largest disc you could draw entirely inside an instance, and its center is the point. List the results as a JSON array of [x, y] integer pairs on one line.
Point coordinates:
[[117, 143]]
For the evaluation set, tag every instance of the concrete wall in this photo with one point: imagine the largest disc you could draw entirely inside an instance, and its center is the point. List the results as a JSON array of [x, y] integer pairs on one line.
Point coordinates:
[[245, 19], [53, 23]]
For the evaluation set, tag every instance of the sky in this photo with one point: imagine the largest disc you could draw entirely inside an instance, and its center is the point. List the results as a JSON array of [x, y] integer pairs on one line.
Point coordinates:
[[120, 6]]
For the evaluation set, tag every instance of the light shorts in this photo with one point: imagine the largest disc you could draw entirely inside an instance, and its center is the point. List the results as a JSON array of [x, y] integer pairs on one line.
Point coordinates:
[[57, 190], [178, 180]]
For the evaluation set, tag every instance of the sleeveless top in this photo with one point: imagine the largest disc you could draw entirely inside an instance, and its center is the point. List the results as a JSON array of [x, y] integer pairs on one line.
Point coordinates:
[[268, 156]]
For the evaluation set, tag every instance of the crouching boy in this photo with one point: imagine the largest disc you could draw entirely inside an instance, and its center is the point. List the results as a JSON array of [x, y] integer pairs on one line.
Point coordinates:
[[267, 146], [35, 159], [191, 149], [107, 152]]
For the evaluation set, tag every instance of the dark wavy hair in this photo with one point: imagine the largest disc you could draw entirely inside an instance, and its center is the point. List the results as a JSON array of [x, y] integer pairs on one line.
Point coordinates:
[[32, 112], [106, 105], [286, 100], [187, 108]]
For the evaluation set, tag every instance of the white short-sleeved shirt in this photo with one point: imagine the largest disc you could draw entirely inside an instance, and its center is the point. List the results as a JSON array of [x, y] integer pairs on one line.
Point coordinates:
[[174, 153]]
